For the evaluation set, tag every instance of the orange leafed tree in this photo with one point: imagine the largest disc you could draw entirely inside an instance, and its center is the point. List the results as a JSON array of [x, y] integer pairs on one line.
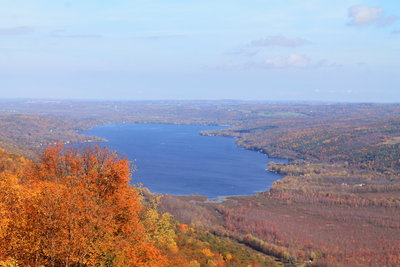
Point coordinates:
[[74, 209]]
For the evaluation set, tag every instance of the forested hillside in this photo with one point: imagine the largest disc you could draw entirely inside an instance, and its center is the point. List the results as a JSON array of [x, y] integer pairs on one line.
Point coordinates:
[[74, 208], [338, 205]]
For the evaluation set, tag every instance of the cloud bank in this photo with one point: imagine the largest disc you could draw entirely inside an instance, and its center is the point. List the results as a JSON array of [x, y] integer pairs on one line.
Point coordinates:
[[292, 60], [364, 16]]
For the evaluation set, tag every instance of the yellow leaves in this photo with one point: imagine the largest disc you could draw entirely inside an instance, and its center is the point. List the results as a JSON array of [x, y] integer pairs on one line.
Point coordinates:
[[331, 140], [159, 228], [9, 262], [228, 257], [194, 263], [207, 252], [173, 249]]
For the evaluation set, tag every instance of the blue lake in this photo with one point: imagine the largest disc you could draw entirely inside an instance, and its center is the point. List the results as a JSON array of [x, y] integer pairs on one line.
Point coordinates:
[[176, 159]]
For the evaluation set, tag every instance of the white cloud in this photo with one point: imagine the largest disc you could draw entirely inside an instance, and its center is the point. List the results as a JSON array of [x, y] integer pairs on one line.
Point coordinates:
[[363, 15], [293, 60], [279, 40]]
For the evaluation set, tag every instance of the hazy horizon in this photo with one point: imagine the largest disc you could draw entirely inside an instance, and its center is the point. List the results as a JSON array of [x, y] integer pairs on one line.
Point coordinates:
[[44, 99], [285, 51]]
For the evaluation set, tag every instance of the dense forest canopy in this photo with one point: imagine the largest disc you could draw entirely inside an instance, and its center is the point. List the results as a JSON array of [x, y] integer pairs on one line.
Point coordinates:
[[76, 208], [73, 209]]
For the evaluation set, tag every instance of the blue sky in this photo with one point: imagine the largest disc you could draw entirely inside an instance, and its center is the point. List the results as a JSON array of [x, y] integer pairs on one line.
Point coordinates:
[[276, 50]]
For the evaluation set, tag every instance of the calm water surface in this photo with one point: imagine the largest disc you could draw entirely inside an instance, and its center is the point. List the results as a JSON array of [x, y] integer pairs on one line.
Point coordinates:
[[176, 159]]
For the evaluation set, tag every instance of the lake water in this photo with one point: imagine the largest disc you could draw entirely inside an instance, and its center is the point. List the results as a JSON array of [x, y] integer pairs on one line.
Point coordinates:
[[176, 159]]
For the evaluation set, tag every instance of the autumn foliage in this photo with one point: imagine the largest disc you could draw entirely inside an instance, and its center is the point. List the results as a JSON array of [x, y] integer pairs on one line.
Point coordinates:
[[76, 208], [73, 209]]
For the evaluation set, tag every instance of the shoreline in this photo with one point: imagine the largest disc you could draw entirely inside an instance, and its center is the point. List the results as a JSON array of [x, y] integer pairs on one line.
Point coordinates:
[[217, 199]]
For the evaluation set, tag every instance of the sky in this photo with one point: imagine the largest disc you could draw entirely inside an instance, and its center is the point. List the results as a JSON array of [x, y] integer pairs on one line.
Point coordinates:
[[273, 50]]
